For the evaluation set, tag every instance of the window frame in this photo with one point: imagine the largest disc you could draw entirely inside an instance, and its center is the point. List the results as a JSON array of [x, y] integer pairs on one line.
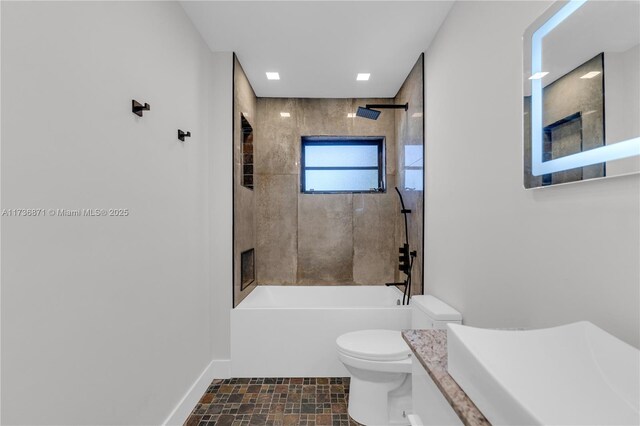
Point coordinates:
[[378, 141]]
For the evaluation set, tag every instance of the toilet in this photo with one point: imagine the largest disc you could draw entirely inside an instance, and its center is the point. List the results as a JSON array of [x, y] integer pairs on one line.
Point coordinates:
[[379, 362]]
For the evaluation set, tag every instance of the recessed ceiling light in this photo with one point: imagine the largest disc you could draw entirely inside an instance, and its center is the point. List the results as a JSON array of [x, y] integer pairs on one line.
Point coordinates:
[[285, 114], [538, 75], [416, 115], [351, 115], [273, 76], [591, 74], [363, 76]]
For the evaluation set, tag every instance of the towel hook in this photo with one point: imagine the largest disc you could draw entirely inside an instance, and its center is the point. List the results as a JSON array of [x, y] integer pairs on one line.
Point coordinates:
[[137, 107], [182, 135]]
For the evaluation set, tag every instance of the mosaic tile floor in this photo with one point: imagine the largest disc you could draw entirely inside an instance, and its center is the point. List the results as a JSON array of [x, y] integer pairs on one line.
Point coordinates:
[[296, 401]]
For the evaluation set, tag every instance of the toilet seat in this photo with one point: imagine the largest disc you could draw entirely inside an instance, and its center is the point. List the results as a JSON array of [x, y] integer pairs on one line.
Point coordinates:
[[402, 366], [374, 345]]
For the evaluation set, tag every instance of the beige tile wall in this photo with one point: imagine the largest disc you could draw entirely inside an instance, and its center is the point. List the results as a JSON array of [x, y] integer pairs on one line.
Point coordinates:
[[244, 198], [320, 239]]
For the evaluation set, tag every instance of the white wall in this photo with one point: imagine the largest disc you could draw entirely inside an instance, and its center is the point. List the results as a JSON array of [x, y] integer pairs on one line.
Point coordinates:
[[220, 200], [110, 320], [502, 255], [622, 104]]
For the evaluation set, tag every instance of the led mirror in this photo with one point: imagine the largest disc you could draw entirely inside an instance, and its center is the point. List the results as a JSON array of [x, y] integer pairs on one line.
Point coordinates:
[[582, 92]]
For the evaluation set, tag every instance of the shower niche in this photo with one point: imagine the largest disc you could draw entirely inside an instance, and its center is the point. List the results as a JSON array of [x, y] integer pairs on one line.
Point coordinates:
[[247, 153], [245, 249], [247, 268]]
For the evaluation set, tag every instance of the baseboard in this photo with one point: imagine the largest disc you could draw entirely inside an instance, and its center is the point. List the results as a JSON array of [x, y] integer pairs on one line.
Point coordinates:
[[217, 369], [221, 368]]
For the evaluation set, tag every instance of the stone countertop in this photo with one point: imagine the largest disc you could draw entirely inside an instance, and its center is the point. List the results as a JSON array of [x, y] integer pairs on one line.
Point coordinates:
[[430, 348]]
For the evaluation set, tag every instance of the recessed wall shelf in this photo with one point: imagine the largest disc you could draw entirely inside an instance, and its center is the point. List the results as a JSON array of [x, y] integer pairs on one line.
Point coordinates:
[[247, 153], [247, 268]]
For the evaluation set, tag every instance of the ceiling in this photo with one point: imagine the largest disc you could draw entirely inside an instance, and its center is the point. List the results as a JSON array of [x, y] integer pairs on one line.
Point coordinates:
[[319, 47]]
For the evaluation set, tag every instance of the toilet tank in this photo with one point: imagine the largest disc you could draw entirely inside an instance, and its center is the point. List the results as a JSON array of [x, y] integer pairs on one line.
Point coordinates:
[[429, 312]]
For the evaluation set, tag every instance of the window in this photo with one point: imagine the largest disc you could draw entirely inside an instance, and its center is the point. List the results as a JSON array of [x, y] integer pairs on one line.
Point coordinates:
[[342, 164]]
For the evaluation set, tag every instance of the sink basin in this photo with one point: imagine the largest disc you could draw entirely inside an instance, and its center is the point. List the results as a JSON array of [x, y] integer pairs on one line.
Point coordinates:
[[576, 374]]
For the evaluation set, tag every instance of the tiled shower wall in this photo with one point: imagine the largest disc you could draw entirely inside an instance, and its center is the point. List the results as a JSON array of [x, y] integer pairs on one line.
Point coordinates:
[[325, 239], [320, 239], [244, 204], [410, 168]]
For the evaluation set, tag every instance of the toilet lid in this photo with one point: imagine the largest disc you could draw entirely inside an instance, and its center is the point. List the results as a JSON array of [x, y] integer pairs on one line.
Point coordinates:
[[374, 345]]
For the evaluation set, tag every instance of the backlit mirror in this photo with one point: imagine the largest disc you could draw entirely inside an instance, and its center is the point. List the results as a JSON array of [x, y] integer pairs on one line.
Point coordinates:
[[582, 92]]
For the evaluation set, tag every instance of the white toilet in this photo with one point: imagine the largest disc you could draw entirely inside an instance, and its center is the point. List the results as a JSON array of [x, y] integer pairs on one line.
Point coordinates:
[[380, 365]]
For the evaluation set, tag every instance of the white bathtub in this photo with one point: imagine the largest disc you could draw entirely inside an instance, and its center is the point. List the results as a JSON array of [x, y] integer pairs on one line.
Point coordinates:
[[290, 331]]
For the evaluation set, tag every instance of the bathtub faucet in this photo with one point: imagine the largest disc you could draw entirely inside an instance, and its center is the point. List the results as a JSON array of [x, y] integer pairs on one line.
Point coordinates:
[[404, 293]]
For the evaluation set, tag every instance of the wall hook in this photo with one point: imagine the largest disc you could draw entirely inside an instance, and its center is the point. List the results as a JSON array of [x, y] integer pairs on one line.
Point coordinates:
[[137, 107], [182, 135]]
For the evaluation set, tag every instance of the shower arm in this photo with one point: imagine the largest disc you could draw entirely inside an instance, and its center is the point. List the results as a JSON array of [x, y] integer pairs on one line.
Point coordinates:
[[388, 106]]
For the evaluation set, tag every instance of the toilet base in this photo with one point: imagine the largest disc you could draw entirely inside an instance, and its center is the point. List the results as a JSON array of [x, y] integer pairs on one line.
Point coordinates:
[[385, 401]]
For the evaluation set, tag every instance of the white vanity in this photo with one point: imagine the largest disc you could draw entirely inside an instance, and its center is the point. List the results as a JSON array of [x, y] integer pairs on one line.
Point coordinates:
[[575, 374]]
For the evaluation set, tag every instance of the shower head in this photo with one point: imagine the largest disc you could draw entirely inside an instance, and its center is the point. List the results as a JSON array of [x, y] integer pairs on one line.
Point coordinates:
[[371, 114]]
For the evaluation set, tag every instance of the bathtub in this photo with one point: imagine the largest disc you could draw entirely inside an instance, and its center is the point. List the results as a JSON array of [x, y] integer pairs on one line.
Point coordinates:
[[290, 331]]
